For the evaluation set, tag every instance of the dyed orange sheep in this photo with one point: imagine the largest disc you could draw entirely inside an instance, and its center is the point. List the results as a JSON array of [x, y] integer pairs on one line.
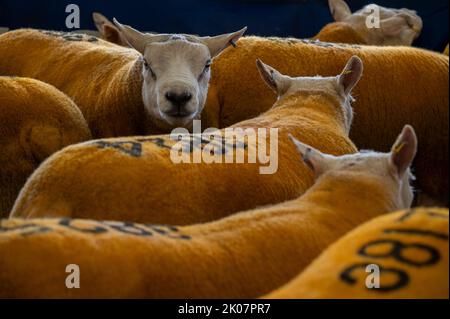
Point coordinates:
[[408, 249], [116, 89], [137, 179], [36, 120], [401, 85], [243, 256]]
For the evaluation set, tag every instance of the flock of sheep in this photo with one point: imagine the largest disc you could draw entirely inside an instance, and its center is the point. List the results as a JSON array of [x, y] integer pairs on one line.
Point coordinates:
[[86, 176]]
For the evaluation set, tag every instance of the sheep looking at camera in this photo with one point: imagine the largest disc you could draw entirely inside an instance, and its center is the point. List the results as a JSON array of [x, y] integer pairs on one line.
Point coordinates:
[[396, 26], [36, 120], [137, 179], [161, 85], [243, 256], [346, 268]]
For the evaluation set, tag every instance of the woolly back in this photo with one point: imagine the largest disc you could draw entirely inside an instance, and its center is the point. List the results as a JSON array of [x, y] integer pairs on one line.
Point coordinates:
[[340, 32]]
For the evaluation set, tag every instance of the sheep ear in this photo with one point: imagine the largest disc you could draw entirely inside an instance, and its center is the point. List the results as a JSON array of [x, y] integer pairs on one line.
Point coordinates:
[[100, 20], [133, 37], [351, 74], [220, 42], [274, 79], [314, 159], [339, 10], [107, 29], [403, 151]]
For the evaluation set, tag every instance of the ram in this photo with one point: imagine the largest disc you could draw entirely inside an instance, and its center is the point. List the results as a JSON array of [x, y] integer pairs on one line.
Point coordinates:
[[36, 120], [372, 25], [372, 262], [121, 92], [242, 256], [157, 179]]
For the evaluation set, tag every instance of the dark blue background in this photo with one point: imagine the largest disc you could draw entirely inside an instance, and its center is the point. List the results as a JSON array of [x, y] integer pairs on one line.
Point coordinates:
[[297, 18]]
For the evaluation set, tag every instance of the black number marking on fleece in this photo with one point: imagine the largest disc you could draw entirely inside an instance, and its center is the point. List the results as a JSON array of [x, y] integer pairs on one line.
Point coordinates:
[[69, 223], [24, 229], [411, 213], [129, 228], [73, 37], [397, 251], [402, 277], [293, 41], [103, 227], [134, 148]]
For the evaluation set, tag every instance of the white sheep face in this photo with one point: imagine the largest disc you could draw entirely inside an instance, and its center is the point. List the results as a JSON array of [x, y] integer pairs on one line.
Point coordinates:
[[176, 75], [397, 26], [176, 72]]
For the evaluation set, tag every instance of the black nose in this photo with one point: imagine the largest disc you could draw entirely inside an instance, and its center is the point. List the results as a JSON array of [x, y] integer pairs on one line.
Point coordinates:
[[178, 99]]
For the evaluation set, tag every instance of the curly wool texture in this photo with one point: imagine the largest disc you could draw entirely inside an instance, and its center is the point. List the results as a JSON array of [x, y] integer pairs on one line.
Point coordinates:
[[340, 32], [103, 79], [401, 85], [36, 120], [243, 256], [410, 247], [136, 179]]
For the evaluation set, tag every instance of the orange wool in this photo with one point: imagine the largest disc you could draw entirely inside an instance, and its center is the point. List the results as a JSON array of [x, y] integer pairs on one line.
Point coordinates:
[[409, 247], [36, 120], [243, 256], [401, 85], [135, 179], [340, 32], [103, 79]]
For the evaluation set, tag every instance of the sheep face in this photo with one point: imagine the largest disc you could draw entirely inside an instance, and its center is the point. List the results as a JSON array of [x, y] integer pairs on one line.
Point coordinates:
[[176, 75], [396, 27], [176, 71], [340, 86], [392, 169]]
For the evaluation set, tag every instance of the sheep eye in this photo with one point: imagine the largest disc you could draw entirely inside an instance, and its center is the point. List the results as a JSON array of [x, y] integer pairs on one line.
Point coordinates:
[[207, 65], [148, 68]]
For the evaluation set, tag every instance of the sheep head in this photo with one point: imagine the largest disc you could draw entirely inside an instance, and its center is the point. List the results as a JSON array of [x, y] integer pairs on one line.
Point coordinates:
[[176, 71], [339, 86], [396, 27], [392, 168]]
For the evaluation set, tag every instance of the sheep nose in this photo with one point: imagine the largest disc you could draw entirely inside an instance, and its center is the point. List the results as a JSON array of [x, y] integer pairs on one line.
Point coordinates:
[[178, 99]]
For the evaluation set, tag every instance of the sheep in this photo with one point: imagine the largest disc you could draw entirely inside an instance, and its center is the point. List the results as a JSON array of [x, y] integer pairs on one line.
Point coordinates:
[[140, 179], [395, 26], [346, 268], [403, 85], [36, 120], [243, 256], [160, 85]]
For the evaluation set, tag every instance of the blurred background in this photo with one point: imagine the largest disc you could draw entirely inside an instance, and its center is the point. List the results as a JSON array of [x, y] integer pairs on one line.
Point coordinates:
[[296, 18]]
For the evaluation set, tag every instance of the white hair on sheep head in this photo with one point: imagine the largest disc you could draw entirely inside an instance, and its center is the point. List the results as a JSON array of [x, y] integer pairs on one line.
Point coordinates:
[[176, 71], [397, 26], [393, 166], [340, 86]]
